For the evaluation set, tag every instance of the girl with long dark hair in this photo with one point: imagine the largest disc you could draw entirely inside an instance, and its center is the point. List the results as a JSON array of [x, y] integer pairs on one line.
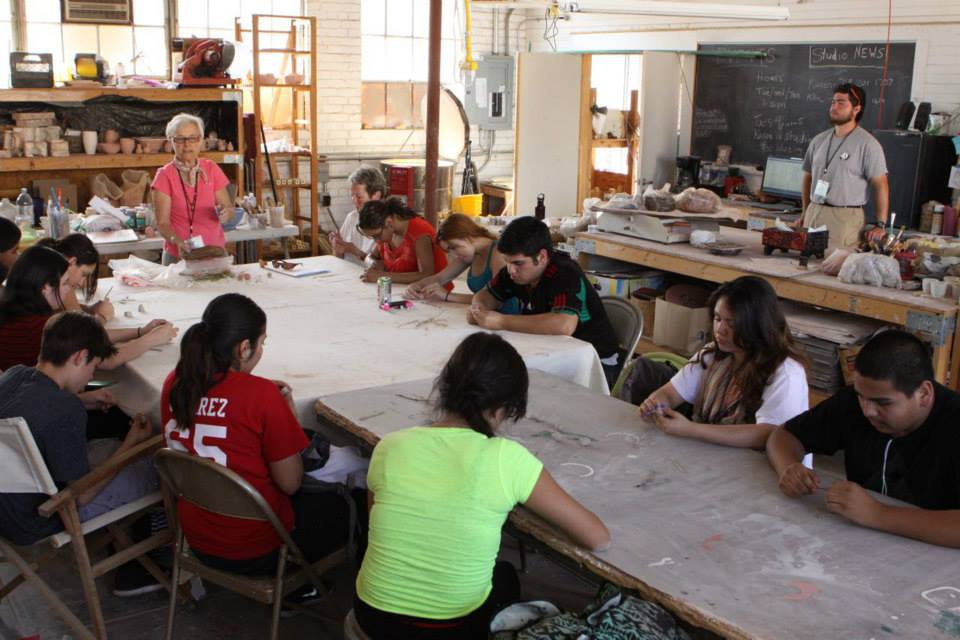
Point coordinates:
[[83, 260], [748, 379], [439, 495], [213, 406], [406, 246]]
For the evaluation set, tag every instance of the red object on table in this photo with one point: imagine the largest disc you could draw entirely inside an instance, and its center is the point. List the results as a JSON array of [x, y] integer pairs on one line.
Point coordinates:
[[905, 259], [730, 184]]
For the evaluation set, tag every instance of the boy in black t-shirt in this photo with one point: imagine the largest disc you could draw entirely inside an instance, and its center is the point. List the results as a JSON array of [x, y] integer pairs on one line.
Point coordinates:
[[555, 297], [898, 430]]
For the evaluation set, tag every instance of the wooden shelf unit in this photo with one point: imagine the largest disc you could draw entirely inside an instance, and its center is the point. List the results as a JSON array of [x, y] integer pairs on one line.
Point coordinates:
[[303, 111], [592, 179], [79, 168]]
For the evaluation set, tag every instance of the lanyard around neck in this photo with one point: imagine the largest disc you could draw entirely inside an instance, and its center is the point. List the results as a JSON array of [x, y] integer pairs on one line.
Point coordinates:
[[191, 204], [830, 156]]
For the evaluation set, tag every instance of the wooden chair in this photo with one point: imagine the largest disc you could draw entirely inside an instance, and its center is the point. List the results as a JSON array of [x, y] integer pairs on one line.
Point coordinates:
[[217, 489], [24, 471]]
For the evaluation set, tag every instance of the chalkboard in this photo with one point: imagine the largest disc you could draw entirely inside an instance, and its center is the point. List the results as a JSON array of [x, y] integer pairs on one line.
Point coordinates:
[[774, 105]]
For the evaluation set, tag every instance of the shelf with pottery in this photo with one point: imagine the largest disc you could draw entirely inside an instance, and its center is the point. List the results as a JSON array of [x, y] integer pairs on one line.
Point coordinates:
[[107, 161], [73, 94]]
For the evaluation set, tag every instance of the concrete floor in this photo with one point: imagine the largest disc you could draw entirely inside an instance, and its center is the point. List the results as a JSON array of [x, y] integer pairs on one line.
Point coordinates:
[[224, 615]]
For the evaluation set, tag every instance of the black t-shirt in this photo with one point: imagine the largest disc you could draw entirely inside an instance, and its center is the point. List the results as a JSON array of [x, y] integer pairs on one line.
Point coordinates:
[[562, 289], [922, 468], [58, 423]]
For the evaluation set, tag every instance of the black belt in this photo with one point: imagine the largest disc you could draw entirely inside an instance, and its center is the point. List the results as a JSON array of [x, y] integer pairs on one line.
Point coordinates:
[[843, 206]]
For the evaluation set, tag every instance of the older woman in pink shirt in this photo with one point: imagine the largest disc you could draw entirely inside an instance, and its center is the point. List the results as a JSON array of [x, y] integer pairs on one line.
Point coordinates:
[[188, 191]]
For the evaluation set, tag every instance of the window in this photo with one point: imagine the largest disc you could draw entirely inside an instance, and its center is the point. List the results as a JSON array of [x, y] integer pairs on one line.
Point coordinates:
[[210, 19], [141, 48], [614, 77], [394, 58], [6, 43]]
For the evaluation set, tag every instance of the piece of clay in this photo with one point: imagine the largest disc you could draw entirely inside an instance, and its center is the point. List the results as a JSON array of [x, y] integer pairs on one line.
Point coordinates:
[[128, 314], [142, 309]]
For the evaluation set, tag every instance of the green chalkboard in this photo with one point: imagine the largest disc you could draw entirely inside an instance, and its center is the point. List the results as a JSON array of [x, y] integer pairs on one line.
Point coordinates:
[[775, 104]]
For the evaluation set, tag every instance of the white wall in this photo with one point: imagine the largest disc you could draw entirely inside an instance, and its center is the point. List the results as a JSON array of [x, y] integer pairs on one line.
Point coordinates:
[[933, 24], [338, 79]]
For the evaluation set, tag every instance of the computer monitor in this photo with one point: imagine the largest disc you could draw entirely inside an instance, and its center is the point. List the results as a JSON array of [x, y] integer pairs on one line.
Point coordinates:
[[783, 177]]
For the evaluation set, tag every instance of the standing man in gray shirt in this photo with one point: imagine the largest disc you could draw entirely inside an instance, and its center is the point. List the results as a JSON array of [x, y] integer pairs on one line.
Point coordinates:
[[840, 167]]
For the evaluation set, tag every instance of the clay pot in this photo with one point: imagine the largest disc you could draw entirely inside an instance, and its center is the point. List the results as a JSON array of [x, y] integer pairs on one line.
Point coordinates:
[[293, 78], [111, 135], [138, 149], [127, 145], [109, 148], [168, 147], [221, 145], [268, 78], [152, 145]]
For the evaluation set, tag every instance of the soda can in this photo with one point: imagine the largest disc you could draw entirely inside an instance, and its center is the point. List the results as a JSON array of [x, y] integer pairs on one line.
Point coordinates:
[[384, 287]]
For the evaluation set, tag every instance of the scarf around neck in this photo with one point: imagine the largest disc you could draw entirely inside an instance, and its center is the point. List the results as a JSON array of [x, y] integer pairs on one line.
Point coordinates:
[[720, 400]]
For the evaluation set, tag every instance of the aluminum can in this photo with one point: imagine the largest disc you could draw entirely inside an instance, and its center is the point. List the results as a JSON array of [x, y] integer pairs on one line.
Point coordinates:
[[384, 288]]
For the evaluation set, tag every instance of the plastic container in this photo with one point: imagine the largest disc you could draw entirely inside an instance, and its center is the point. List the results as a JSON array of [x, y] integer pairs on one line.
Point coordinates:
[[207, 267], [24, 209], [936, 221], [471, 205]]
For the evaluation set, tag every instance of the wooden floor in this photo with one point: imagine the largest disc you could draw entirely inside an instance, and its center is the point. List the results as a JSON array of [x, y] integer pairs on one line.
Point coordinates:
[[224, 615]]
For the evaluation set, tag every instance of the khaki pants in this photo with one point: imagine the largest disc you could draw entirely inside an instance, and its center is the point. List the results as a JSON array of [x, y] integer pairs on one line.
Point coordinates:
[[843, 223]]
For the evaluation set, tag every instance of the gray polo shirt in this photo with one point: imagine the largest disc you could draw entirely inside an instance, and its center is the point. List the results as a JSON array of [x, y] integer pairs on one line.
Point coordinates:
[[856, 161]]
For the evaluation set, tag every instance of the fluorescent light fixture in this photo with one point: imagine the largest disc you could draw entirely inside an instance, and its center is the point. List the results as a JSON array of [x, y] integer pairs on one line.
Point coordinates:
[[649, 8], [682, 9]]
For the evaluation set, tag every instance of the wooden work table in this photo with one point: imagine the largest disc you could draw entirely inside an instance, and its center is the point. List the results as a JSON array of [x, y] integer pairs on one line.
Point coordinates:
[[933, 319], [700, 529]]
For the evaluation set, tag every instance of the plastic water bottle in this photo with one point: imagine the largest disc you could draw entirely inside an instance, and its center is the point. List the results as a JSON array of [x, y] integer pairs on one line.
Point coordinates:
[[24, 209]]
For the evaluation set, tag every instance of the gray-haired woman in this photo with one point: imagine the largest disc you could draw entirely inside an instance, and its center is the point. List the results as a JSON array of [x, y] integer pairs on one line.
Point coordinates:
[[188, 190]]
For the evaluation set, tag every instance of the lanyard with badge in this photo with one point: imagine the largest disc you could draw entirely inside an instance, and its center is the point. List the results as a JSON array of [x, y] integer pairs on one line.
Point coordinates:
[[194, 242], [823, 185]]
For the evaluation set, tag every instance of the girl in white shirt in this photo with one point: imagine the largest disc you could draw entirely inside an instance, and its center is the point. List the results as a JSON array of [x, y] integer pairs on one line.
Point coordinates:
[[745, 382]]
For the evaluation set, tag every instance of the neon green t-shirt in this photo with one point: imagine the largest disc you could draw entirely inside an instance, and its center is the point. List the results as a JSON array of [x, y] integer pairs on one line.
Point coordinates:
[[441, 495]]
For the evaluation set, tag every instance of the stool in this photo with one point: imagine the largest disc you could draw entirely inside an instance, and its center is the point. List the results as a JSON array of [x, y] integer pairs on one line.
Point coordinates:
[[351, 628]]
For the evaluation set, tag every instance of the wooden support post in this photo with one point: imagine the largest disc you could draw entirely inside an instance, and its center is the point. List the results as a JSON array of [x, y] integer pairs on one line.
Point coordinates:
[[433, 113]]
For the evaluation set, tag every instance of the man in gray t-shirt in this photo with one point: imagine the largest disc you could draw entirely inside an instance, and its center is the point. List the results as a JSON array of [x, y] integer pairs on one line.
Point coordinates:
[[840, 167]]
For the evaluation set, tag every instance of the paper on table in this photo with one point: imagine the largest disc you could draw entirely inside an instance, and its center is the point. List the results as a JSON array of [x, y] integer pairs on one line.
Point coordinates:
[[106, 237], [298, 273], [100, 205]]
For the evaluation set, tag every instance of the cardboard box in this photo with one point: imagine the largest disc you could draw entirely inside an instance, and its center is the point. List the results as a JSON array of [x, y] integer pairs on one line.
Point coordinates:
[[680, 328], [622, 285]]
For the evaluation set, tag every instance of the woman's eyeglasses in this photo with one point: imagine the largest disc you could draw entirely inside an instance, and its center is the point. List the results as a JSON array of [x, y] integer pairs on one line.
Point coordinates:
[[182, 140]]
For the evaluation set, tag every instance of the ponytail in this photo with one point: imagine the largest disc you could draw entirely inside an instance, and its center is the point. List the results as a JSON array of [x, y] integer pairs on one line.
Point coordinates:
[[485, 374], [207, 352]]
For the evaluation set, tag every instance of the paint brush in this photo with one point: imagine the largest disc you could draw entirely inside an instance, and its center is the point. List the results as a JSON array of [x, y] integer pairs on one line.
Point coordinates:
[[106, 296]]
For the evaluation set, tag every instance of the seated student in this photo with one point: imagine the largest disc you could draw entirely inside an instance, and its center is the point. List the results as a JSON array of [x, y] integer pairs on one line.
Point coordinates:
[[439, 495], [406, 246], [366, 183], [468, 246], [898, 431], [555, 297], [214, 407], [9, 246], [82, 274], [35, 289], [46, 396], [745, 381]]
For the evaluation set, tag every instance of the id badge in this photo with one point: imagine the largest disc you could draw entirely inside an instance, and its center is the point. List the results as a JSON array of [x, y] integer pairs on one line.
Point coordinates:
[[196, 242], [821, 189]]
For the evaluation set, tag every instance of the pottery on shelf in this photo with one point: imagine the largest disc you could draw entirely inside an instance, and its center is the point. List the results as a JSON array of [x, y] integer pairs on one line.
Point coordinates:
[[109, 148], [268, 78], [127, 145], [167, 146], [89, 142], [111, 135], [293, 78], [151, 145]]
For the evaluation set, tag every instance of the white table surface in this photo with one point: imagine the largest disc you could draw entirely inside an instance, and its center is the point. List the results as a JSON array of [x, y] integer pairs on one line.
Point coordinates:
[[326, 335], [234, 235]]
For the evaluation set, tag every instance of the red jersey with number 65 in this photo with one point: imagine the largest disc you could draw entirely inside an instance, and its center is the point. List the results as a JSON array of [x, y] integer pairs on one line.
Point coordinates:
[[244, 424]]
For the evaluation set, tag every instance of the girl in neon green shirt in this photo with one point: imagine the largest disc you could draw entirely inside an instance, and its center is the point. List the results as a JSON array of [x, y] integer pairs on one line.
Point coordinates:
[[439, 496]]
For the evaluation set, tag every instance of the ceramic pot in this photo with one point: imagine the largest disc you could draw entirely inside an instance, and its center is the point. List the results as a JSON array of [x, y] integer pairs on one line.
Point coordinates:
[[90, 142], [127, 145], [111, 135]]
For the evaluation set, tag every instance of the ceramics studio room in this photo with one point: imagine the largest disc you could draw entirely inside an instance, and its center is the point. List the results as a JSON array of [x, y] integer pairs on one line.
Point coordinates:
[[469, 319]]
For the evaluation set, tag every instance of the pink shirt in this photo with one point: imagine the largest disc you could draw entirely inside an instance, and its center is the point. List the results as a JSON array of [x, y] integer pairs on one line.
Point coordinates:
[[206, 224]]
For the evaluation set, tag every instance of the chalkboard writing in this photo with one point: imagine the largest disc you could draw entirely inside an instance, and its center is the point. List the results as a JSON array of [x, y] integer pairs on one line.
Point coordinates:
[[775, 104]]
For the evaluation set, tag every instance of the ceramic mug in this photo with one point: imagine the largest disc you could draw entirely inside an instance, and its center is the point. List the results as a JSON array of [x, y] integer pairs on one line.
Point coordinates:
[[938, 288], [276, 216]]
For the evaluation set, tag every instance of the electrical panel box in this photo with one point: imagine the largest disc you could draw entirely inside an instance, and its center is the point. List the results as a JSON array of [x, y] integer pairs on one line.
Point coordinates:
[[489, 98]]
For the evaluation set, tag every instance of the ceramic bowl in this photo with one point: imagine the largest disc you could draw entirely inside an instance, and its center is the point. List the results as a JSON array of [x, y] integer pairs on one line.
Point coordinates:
[[151, 145], [109, 148]]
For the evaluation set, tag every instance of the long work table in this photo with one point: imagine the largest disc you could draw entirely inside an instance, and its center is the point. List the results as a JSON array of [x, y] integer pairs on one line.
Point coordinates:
[[325, 334], [700, 529], [244, 238], [934, 319]]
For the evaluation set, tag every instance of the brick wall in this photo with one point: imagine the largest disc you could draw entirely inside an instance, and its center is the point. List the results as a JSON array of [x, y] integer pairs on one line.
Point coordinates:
[[338, 81]]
